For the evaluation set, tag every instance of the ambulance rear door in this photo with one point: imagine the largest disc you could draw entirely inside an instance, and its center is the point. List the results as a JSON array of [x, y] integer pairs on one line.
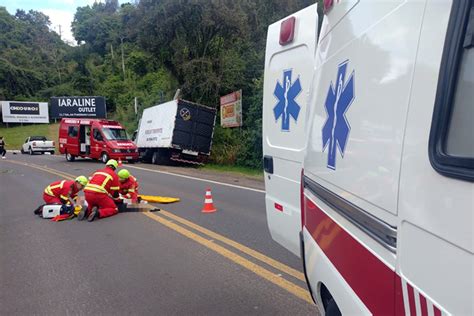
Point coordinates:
[[289, 68]]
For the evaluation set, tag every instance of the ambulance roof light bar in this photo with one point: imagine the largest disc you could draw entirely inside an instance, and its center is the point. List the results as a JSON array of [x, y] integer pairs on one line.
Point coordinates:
[[287, 31]]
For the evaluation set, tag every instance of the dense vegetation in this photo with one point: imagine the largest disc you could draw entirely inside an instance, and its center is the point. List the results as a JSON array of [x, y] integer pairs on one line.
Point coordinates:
[[207, 48]]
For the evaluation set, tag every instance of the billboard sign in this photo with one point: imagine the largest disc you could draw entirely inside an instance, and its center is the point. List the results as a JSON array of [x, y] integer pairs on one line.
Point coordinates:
[[231, 109], [93, 107], [25, 112]]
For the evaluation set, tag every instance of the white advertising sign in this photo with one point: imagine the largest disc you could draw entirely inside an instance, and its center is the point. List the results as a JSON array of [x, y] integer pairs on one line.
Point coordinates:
[[25, 112]]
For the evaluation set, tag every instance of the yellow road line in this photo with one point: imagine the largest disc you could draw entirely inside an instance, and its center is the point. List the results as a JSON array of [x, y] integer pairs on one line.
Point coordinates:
[[287, 285], [46, 169], [257, 255], [264, 273]]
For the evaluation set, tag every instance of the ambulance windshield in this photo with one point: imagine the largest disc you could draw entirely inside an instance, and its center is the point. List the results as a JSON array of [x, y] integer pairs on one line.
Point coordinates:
[[115, 134]]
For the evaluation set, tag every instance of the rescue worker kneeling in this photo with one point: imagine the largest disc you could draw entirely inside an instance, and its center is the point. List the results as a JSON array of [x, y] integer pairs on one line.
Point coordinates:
[[100, 192], [65, 191], [128, 185]]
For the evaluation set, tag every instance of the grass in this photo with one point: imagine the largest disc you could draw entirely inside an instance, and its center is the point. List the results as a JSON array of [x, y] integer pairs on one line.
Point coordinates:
[[15, 136], [256, 173]]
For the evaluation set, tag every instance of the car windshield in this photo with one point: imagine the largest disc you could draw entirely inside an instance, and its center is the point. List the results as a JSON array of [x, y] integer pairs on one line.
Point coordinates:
[[115, 134], [37, 138]]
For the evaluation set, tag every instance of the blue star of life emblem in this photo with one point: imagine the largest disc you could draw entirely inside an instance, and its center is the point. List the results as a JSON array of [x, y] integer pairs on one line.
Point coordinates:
[[287, 106], [336, 128]]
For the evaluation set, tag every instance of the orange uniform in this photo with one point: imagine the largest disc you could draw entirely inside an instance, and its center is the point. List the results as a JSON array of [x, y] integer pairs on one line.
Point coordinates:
[[59, 192], [129, 189], [103, 185]]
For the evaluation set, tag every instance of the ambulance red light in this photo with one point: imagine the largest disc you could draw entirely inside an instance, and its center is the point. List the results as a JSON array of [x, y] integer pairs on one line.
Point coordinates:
[[287, 31], [279, 207], [328, 5]]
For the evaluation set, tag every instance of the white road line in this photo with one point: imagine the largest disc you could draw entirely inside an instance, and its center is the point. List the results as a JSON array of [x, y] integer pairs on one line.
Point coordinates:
[[198, 179], [193, 178]]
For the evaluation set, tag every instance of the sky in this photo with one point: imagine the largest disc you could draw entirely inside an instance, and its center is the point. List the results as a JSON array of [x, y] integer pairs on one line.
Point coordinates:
[[60, 12]]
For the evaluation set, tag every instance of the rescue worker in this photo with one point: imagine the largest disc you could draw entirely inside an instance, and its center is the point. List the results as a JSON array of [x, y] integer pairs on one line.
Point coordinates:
[[100, 192], [65, 191], [128, 185], [62, 192]]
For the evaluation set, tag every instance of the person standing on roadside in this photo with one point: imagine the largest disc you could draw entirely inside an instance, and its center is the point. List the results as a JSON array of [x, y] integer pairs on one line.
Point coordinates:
[[2, 147]]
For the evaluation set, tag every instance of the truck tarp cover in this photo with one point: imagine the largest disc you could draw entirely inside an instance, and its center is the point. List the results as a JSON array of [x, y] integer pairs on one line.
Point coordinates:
[[181, 123]]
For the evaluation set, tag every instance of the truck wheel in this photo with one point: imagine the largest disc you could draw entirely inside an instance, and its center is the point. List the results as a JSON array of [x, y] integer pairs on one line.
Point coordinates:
[[154, 158], [104, 157], [70, 157], [30, 151]]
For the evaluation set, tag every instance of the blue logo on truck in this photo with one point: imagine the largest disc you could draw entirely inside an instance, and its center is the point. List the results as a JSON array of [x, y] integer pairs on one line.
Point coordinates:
[[287, 106], [338, 100]]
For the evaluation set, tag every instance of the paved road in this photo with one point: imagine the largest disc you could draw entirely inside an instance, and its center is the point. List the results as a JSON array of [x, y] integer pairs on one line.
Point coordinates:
[[177, 262]]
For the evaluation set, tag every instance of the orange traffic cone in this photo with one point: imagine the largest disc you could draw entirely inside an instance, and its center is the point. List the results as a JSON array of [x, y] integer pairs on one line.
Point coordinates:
[[120, 162], [208, 204]]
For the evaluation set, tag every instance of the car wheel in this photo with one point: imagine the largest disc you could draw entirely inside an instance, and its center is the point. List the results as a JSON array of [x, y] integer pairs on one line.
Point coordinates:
[[30, 151], [104, 157], [22, 151], [52, 152], [70, 157]]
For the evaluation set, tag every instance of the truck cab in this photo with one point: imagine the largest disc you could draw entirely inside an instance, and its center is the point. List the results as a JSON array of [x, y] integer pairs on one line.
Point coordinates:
[[97, 139]]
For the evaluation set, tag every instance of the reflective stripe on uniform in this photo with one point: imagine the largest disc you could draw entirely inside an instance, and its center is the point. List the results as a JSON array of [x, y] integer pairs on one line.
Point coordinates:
[[95, 188], [99, 188], [114, 188], [49, 189], [64, 197]]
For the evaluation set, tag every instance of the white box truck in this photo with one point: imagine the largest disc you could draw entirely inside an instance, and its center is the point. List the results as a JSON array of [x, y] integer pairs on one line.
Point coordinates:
[[177, 130]]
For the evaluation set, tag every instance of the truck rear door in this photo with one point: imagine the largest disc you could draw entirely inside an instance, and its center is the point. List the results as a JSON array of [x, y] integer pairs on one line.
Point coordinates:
[[194, 127], [289, 68]]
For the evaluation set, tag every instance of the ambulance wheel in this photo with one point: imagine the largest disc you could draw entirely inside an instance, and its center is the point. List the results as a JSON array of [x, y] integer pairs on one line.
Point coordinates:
[[70, 157], [332, 309], [104, 157]]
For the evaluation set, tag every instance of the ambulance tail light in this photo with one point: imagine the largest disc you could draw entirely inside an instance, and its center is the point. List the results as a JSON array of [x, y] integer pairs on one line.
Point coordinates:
[[302, 200], [287, 31], [328, 4]]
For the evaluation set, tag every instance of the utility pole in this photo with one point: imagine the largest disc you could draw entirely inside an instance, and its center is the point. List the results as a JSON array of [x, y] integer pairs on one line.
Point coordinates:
[[60, 34], [123, 61]]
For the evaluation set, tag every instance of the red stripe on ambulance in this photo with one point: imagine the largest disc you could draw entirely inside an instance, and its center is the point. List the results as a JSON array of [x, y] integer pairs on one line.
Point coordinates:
[[372, 281]]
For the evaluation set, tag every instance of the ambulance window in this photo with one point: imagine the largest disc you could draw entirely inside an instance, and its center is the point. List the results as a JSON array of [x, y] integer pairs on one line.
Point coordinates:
[[460, 137], [451, 146], [73, 131]]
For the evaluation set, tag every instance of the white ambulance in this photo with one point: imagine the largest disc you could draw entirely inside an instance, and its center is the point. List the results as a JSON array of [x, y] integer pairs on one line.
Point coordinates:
[[377, 118]]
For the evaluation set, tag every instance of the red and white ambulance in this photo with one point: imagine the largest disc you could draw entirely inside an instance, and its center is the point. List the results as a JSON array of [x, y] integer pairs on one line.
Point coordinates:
[[95, 138], [369, 153]]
